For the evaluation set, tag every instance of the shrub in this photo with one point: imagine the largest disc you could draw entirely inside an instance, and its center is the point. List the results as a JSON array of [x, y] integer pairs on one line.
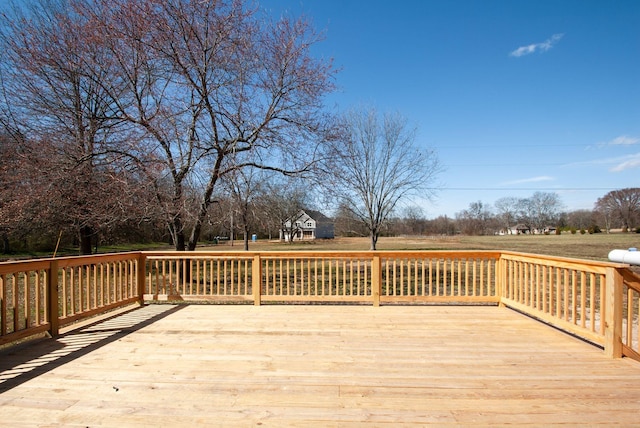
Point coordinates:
[[594, 229]]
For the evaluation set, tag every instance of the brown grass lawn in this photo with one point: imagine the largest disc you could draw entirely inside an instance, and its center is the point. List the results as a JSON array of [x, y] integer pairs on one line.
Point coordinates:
[[594, 247]]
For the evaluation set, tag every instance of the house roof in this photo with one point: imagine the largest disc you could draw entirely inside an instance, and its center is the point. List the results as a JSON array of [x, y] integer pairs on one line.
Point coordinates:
[[317, 216]]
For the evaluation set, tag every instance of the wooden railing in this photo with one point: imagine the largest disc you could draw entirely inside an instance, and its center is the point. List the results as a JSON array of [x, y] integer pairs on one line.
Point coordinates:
[[41, 296], [594, 300], [355, 277]]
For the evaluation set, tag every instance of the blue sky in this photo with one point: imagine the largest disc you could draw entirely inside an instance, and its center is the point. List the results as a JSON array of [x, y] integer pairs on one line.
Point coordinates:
[[514, 96]]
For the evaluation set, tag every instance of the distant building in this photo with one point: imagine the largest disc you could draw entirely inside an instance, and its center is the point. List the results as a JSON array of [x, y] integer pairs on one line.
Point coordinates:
[[521, 229], [307, 225]]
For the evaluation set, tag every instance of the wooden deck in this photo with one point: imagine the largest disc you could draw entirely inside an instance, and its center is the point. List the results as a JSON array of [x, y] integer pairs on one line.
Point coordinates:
[[165, 365]]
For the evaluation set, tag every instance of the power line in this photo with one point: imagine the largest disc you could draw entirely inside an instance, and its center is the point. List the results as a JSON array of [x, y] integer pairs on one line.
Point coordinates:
[[507, 146], [530, 188], [505, 164]]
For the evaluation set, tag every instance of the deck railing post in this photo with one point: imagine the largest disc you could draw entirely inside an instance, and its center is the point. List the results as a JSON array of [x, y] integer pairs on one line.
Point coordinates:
[[613, 314], [376, 280], [141, 276], [256, 280], [500, 280], [52, 299]]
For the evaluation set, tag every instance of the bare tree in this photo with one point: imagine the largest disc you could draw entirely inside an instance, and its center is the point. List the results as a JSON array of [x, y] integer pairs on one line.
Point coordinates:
[[441, 225], [414, 219], [283, 201], [347, 224], [622, 205], [581, 219], [539, 211], [506, 211], [57, 98], [208, 81], [475, 220], [377, 164], [245, 187]]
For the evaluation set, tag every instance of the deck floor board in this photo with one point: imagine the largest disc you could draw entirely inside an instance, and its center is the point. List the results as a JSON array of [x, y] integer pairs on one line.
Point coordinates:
[[237, 365]]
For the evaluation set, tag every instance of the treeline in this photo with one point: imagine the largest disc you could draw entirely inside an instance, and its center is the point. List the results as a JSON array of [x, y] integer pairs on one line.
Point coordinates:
[[544, 212], [541, 213]]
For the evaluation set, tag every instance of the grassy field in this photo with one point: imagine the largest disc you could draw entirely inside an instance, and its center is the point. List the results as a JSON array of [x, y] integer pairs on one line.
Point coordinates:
[[594, 247]]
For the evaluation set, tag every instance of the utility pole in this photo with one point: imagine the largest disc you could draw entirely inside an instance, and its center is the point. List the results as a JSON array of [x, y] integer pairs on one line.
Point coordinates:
[[231, 230]]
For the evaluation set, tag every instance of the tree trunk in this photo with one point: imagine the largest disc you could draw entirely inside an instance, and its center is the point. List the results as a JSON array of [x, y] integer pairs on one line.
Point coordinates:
[[86, 232], [374, 241], [6, 247], [177, 233], [204, 207], [246, 238]]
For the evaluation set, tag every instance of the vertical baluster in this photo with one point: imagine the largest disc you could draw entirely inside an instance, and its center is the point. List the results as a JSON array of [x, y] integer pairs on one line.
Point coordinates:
[[421, 284], [629, 339], [473, 277], [246, 276], [603, 299], [121, 280], [3, 304], [37, 298], [15, 302], [403, 263], [583, 299], [27, 299], [438, 262], [331, 263], [430, 277], [225, 275], [211, 278], [574, 297], [295, 275], [592, 303], [351, 277]]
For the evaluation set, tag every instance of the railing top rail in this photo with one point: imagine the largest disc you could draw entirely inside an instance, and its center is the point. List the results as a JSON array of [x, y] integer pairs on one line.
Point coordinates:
[[631, 279], [71, 260], [97, 258], [566, 262], [562, 261], [328, 253], [20, 265]]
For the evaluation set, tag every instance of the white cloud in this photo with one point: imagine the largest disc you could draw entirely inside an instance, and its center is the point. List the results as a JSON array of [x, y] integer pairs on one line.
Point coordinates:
[[542, 47], [530, 180], [620, 163], [623, 140], [629, 162]]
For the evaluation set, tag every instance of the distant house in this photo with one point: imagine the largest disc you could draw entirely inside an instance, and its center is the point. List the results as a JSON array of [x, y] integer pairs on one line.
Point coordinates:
[[519, 229], [307, 225]]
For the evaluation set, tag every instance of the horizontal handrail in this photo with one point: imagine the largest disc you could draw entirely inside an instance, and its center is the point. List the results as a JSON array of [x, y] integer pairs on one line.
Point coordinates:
[[595, 300]]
